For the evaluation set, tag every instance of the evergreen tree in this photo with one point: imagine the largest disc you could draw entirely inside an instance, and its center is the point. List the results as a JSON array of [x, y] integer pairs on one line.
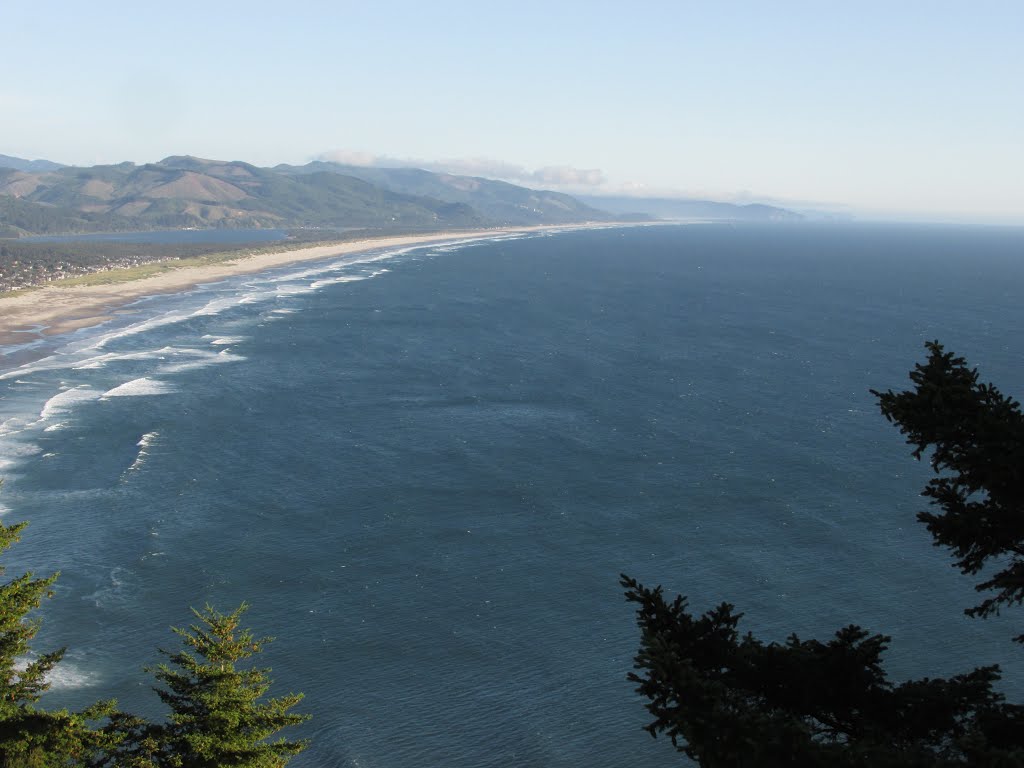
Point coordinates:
[[30, 736], [977, 434], [218, 716], [731, 700]]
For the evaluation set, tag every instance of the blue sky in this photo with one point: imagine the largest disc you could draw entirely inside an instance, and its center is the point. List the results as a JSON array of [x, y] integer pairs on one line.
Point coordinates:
[[899, 109]]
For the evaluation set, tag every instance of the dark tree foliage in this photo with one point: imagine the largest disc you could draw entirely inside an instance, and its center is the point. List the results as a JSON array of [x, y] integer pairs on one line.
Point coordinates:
[[977, 434], [219, 716], [20, 215], [730, 700], [31, 737]]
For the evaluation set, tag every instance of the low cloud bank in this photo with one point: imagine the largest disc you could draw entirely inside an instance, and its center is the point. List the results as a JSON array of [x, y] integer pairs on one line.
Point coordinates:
[[551, 176]]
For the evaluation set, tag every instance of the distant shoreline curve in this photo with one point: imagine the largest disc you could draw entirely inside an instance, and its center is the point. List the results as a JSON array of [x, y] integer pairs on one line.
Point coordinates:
[[55, 309]]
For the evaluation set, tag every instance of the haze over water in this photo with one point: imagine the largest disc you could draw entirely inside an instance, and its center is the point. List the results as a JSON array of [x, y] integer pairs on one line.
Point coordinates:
[[426, 469]]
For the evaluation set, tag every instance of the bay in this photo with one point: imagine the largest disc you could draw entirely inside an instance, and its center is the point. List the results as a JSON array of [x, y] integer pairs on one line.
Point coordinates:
[[425, 470]]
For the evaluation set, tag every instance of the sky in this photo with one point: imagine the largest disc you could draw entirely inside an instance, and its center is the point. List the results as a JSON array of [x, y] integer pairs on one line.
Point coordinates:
[[897, 109]]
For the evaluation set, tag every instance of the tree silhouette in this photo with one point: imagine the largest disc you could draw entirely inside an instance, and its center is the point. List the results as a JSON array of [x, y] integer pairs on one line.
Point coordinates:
[[730, 700]]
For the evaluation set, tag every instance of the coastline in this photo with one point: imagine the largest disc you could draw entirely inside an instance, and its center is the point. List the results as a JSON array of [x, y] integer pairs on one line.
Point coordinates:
[[55, 309]]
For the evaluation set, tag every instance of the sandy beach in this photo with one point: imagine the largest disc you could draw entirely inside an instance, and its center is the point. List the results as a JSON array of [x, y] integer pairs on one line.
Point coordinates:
[[58, 309]]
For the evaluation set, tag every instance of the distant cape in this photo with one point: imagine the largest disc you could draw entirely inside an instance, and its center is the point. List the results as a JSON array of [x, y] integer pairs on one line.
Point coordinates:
[[684, 209]]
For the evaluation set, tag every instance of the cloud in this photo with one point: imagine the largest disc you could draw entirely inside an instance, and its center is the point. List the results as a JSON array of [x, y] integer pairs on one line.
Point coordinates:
[[551, 175], [564, 175], [347, 157], [548, 176], [476, 166]]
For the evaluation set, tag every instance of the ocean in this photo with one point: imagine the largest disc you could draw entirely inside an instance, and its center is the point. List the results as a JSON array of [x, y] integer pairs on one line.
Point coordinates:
[[425, 469]]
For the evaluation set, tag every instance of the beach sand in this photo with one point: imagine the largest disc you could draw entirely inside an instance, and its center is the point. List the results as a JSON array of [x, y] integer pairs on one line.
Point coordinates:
[[56, 309]]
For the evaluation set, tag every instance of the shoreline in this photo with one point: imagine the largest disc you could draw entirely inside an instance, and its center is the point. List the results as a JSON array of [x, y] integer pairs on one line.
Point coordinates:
[[55, 309]]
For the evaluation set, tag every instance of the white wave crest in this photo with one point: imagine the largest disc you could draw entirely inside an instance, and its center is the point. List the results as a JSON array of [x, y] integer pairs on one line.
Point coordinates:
[[202, 359], [335, 280], [64, 401], [216, 306], [306, 273], [325, 268], [144, 442], [99, 361], [168, 318], [139, 388], [14, 425], [74, 362], [222, 341]]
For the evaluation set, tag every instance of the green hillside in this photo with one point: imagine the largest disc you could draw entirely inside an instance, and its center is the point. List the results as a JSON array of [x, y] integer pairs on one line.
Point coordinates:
[[182, 192], [499, 201]]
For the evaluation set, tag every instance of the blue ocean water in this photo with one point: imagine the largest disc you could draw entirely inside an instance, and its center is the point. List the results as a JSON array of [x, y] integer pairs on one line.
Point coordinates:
[[426, 468]]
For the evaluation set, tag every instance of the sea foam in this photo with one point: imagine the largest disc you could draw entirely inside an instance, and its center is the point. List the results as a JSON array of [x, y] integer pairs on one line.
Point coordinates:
[[335, 280], [201, 358], [144, 442], [219, 341], [68, 677], [64, 401], [139, 388]]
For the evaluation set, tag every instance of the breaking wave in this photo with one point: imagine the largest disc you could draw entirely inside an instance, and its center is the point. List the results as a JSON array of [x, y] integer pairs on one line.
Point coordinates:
[[140, 388], [144, 442], [64, 401]]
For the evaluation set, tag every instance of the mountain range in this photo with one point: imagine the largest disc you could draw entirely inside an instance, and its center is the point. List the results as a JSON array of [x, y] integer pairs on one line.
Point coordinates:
[[33, 166], [674, 208], [41, 197]]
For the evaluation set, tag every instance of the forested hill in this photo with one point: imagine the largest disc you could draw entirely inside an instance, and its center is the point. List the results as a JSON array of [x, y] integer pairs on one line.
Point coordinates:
[[180, 192], [496, 200], [41, 197]]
